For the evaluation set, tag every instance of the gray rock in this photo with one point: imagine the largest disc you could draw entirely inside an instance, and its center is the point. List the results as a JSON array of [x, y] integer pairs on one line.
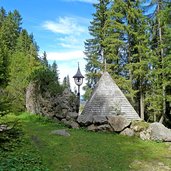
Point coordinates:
[[56, 119], [97, 119], [74, 125], [118, 123], [60, 116], [128, 132], [65, 121], [85, 120], [32, 96], [64, 111], [72, 115], [46, 104], [105, 127], [70, 123], [92, 128], [159, 132], [145, 135], [61, 132]]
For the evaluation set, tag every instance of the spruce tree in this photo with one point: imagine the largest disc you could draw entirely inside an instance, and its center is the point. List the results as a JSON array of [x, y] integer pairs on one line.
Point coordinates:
[[126, 45], [23, 62], [55, 70], [137, 52], [44, 59], [94, 49], [115, 45], [66, 82], [160, 61]]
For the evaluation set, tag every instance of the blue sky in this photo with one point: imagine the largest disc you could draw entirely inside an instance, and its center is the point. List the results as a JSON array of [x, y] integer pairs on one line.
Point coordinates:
[[60, 28]]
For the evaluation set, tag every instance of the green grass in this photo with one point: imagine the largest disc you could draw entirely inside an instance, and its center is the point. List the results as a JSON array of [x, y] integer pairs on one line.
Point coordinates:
[[82, 151]]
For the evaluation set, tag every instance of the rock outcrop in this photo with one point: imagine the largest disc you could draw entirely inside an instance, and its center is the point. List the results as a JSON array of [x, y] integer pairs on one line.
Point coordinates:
[[159, 132], [121, 125], [49, 105]]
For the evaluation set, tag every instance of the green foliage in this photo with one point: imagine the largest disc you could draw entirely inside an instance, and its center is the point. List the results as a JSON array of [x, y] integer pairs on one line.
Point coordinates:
[[94, 48], [17, 61], [44, 59], [47, 81], [54, 69], [66, 82], [160, 60], [16, 150], [134, 39], [19, 154], [19, 64]]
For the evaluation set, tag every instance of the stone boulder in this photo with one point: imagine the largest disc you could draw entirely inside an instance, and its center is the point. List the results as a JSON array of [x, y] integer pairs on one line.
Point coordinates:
[[70, 123], [128, 132], [145, 135], [92, 127], [118, 123], [72, 115], [61, 132], [159, 132], [99, 119], [59, 116], [104, 127], [85, 120]]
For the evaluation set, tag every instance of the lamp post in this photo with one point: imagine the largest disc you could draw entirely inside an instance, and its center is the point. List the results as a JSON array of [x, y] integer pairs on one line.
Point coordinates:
[[78, 79]]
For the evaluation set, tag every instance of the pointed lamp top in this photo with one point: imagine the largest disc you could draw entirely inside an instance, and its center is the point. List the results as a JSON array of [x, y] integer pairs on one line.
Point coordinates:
[[78, 77]]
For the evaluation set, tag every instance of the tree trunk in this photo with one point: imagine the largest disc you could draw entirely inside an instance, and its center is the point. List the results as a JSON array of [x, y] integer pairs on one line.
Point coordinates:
[[162, 67], [141, 104]]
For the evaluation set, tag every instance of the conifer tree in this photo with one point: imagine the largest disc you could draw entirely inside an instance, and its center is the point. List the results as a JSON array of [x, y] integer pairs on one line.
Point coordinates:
[[55, 70], [66, 82], [160, 61], [126, 43], [23, 62], [94, 49], [44, 59], [137, 52]]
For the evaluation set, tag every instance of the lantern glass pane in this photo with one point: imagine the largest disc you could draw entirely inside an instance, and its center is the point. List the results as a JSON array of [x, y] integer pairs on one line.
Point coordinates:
[[78, 81]]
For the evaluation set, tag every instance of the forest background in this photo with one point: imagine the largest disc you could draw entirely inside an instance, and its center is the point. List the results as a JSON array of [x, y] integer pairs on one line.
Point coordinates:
[[133, 38]]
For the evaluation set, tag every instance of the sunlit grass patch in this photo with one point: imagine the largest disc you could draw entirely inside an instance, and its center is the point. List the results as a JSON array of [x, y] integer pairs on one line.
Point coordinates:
[[85, 150]]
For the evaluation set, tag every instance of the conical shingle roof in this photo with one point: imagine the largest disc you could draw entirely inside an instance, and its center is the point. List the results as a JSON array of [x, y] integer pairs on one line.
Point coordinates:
[[108, 99]]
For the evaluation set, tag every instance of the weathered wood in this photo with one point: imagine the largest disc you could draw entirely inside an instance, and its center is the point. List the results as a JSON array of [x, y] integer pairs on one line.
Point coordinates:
[[108, 99]]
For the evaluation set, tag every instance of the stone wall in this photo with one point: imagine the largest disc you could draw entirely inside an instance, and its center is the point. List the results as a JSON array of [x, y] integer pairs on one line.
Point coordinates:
[[48, 105], [119, 124]]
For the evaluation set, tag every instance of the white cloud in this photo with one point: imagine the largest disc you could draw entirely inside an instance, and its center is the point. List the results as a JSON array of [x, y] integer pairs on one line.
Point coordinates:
[[71, 32], [65, 56], [72, 42], [64, 25]]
